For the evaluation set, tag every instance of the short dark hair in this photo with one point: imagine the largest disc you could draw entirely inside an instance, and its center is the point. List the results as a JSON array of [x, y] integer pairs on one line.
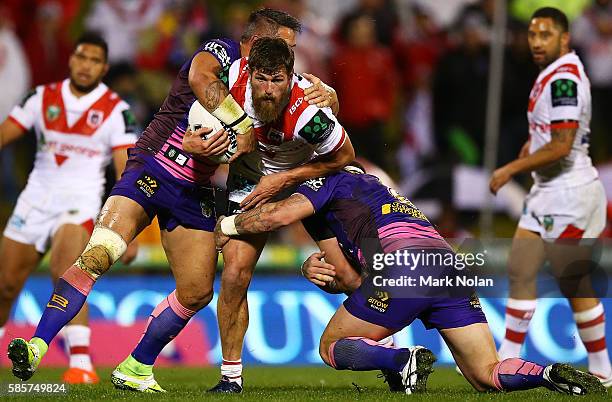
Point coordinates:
[[92, 38], [268, 55], [558, 17], [268, 21]]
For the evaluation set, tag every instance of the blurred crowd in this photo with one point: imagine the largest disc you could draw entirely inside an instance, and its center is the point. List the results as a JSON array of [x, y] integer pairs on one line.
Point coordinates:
[[411, 75]]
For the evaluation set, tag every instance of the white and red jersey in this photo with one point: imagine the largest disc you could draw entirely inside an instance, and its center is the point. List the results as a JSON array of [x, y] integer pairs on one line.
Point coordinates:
[[561, 98], [76, 136], [302, 131]]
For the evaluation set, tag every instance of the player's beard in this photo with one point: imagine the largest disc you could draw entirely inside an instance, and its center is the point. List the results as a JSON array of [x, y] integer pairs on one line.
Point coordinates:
[[267, 109], [84, 88]]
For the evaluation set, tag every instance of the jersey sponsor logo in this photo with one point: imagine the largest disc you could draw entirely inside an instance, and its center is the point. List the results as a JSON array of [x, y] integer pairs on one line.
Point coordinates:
[[219, 52], [129, 120], [564, 92], [175, 155], [318, 128], [379, 301], [95, 118], [53, 112], [295, 105], [315, 184], [401, 208], [475, 302], [548, 222], [147, 184], [208, 207]]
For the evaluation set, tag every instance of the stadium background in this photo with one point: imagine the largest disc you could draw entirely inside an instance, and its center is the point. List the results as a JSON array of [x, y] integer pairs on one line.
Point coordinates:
[[425, 68]]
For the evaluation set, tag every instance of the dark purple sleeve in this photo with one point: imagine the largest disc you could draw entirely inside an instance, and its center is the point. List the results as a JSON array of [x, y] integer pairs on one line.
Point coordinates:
[[319, 191], [226, 51]]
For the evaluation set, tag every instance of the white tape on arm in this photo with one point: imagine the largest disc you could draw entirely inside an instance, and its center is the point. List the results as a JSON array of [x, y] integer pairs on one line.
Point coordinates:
[[231, 113], [228, 226]]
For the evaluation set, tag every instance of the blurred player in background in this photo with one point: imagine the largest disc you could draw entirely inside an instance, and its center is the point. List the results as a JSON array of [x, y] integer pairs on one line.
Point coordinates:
[[290, 133], [80, 125], [567, 201], [162, 179], [367, 218]]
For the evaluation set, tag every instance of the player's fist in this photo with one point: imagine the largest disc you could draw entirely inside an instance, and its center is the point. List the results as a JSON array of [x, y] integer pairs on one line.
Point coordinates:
[[268, 186], [245, 143], [317, 271], [196, 143], [320, 94], [499, 177]]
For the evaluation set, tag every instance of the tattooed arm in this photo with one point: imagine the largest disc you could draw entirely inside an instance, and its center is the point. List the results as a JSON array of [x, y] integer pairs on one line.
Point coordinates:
[[558, 148], [213, 95], [265, 218]]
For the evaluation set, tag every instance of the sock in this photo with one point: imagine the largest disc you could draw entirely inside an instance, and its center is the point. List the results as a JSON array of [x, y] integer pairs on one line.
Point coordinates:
[[77, 337], [518, 374], [592, 329], [362, 354], [66, 301], [518, 316], [232, 370], [165, 323]]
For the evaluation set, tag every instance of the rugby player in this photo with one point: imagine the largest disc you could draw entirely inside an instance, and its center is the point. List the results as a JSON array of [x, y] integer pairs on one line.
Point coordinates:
[[366, 217], [163, 179], [80, 124], [567, 201]]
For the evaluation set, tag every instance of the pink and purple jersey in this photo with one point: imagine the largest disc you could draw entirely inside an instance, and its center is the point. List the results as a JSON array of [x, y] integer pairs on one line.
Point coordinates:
[[164, 135]]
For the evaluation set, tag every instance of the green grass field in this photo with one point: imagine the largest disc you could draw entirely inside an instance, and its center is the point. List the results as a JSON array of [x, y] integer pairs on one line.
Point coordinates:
[[281, 384]]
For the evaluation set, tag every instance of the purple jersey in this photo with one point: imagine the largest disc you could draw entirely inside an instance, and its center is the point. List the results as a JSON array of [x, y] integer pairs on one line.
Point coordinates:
[[164, 135], [367, 217]]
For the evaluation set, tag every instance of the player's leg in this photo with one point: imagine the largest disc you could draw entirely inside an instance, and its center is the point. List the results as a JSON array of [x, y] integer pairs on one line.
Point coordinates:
[[193, 259], [473, 348], [525, 259], [239, 259], [18, 261], [350, 343], [67, 244], [120, 220]]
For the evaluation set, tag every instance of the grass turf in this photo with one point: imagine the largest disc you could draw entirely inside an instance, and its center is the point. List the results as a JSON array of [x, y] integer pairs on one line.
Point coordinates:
[[278, 384]]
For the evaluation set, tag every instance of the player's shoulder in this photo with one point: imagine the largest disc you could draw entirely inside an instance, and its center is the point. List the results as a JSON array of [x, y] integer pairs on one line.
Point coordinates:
[[225, 50]]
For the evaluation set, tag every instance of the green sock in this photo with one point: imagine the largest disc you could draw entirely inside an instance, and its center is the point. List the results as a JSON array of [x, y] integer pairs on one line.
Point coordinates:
[[133, 366], [42, 345]]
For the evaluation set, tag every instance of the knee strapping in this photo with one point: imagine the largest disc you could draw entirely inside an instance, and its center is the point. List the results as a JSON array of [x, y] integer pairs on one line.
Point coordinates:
[[103, 249]]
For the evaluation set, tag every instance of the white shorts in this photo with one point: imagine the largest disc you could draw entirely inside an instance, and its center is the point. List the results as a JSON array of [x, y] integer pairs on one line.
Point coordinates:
[[565, 213], [41, 211]]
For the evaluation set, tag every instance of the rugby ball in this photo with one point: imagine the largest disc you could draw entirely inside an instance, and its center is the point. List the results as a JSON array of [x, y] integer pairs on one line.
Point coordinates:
[[200, 117]]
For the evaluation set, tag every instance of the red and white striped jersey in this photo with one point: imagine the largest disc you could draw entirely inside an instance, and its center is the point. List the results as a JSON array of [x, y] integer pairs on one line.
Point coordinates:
[[75, 136], [302, 131], [561, 98]]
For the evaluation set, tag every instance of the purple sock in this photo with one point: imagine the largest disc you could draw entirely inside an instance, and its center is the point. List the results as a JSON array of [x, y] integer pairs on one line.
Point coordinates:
[[518, 374], [66, 301], [362, 354], [165, 323]]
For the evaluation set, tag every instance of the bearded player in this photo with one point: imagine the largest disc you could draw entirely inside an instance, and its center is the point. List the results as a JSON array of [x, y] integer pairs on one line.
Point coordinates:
[[567, 202], [80, 125], [369, 219], [164, 179]]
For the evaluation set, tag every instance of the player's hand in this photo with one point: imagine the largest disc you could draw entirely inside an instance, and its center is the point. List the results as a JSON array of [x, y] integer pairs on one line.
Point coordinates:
[[195, 144], [319, 94], [130, 253], [245, 143], [220, 239], [499, 177], [318, 271], [524, 149], [268, 187]]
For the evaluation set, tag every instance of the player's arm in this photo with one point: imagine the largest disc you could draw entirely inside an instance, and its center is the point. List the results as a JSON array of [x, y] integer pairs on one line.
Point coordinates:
[[558, 148], [120, 158], [9, 132], [265, 218], [214, 95], [330, 270], [272, 184]]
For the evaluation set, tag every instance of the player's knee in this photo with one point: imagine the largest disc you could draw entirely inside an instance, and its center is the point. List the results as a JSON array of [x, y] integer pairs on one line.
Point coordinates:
[[104, 248], [324, 349], [481, 380], [236, 276], [194, 299]]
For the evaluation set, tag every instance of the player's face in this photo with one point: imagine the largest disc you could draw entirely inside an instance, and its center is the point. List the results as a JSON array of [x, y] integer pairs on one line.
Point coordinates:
[[87, 67], [546, 41], [270, 94]]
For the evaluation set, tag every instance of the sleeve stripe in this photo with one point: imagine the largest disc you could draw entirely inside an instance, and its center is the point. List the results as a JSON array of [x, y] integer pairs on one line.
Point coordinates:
[[340, 143], [564, 124], [124, 146], [14, 120]]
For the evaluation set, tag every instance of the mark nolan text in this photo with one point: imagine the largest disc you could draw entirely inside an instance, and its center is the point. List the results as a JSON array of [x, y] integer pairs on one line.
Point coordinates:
[[430, 281]]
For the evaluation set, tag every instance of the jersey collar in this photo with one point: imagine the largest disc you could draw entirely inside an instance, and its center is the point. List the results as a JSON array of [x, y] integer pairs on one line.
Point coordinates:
[[86, 99]]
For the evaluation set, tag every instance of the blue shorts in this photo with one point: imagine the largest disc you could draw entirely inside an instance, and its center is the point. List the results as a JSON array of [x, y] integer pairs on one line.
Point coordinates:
[[175, 202]]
